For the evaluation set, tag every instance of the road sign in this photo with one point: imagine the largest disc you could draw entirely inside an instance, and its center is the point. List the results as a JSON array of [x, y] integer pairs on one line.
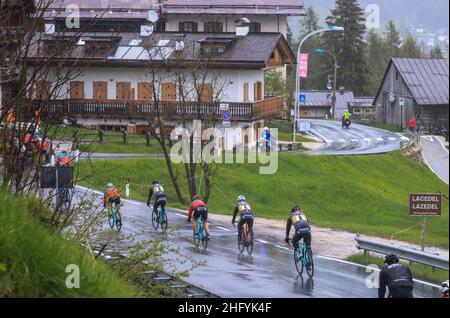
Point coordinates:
[[227, 116], [292, 112], [425, 204], [401, 101], [224, 107], [302, 98], [304, 127], [226, 124]]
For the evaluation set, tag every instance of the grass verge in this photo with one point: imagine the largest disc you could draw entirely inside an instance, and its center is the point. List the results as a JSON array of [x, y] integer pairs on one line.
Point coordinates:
[[360, 194], [33, 260], [419, 271], [387, 127]]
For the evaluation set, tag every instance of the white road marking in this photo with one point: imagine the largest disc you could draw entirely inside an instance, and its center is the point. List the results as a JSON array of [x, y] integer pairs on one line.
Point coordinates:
[[179, 214], [392, 139], [135, 203], [380, 139], [224, 228], [262, 241], [355, 140], [363, 266], [341, 140], [429, 138], [367, 139]]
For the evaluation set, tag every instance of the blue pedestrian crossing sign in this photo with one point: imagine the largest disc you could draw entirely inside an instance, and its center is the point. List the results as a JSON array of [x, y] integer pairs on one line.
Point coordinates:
[[226, 116], [302, 98]]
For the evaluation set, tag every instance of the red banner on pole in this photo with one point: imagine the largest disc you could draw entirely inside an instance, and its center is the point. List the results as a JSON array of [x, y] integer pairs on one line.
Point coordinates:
[[303, 65]]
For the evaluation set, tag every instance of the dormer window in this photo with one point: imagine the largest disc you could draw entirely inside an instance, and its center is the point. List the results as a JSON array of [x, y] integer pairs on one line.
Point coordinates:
[[215, 45], [100, 44]]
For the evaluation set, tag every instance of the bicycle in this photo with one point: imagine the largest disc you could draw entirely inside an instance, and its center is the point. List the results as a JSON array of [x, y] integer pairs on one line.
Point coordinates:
[[246, 242], [159, 218], [303, 259], [113, 218], [201, 234]]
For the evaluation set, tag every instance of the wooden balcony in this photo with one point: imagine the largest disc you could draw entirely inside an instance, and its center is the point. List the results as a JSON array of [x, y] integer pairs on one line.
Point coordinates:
[[133, 109]]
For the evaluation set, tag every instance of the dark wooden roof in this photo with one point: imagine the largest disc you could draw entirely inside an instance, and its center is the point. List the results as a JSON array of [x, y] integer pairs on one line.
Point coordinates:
[[250, 52]]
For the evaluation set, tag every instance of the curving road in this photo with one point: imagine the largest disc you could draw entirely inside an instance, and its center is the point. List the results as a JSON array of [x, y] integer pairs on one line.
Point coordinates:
[[269, 273], [358, 140], [436, 156]]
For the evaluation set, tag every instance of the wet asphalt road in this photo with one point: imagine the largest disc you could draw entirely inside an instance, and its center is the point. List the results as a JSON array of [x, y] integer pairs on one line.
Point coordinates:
[[436, 156], [268, 273], [357, 140]]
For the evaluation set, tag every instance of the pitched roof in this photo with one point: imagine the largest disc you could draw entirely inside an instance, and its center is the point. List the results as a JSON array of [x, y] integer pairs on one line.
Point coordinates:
[[250, 52], [139, 8], [280, 7], [427, 79], [316, 98]]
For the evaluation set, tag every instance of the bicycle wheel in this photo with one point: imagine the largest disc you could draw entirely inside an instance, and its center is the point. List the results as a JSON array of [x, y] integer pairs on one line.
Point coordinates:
[[118, 224], [298, 261], [204, 239], [110, 218], [309, 264], [250, 242], [155, 222], [241, 244], [164, 223]]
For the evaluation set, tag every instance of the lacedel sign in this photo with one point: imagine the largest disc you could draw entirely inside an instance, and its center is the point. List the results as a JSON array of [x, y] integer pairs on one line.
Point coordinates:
[[425, 204]]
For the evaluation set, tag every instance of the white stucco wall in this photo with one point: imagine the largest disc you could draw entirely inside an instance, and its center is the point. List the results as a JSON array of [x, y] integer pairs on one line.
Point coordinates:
[[268, 23], [232, 81]]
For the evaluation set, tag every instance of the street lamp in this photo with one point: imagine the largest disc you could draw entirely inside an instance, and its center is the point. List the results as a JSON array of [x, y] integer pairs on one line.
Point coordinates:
[[333, 100], [297, 79]]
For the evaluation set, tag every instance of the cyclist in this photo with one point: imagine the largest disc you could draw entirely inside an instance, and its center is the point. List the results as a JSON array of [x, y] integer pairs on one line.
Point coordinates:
[[397, 277], [110, 196], [444, 290], [198, 209], [160, 197], [298, 220], [266, 138], [246, 215], [346, 116]]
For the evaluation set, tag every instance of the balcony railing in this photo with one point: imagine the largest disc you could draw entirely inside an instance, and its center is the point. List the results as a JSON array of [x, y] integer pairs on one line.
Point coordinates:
[[268, 108]]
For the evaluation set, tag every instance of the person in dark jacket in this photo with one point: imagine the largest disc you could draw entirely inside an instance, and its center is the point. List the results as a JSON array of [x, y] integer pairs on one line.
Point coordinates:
[[302, 229], [160, 196], [397, 277]]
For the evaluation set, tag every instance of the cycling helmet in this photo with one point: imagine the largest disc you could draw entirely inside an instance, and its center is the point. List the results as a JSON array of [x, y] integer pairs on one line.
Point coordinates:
[[241, 198], [196, 197], [265, 128], [155, 181], [110, 186], [296, 209], [391, 259]]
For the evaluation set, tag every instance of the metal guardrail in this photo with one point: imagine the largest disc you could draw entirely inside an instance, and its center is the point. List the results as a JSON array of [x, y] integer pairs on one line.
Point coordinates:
[[405, 253], [178, 287]]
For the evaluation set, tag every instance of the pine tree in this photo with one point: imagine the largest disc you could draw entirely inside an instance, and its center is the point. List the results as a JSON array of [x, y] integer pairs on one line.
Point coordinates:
[[392, 40], [377, 60], [410, 48], [349, 46], [436, 53]]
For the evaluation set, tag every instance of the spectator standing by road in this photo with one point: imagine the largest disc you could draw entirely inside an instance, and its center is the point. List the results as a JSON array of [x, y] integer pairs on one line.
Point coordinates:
[[413, 124]]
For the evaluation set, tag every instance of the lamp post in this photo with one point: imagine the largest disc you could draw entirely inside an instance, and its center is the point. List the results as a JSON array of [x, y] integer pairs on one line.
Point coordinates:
[[333, 100], [297, 79]]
